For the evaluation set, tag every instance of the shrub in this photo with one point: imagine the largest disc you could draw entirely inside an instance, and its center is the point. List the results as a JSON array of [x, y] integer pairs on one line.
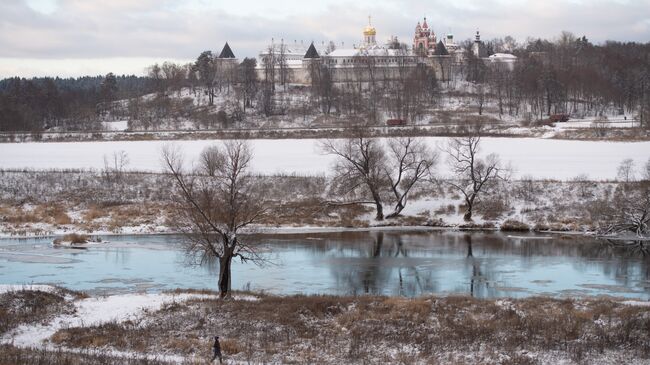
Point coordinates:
[[511, 225], [76, 238]]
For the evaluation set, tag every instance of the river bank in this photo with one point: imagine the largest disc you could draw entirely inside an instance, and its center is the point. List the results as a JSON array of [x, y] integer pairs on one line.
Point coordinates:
[[177, 327]]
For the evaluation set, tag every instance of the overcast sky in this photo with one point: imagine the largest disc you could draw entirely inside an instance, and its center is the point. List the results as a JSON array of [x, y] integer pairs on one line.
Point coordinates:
[[80, 37]]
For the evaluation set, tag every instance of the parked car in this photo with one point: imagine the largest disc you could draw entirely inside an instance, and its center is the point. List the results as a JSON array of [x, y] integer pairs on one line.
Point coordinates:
[[395, 122], [561, 118]]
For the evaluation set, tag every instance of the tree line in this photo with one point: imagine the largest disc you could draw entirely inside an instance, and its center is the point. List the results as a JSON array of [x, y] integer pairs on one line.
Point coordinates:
[[569, 75], [72, 104]]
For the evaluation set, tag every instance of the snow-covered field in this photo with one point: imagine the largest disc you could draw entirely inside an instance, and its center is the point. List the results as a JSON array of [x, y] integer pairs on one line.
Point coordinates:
[[539, 158]]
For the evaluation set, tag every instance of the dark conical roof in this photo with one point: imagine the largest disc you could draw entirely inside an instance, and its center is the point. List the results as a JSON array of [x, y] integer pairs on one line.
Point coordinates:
[[441, 50], [226, 52], [311, 52]]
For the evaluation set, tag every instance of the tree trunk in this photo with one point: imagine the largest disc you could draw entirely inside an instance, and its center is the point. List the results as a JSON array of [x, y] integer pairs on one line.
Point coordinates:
[[380, 212], [398, 209], [470, 205], [380, 207], [225, 263]]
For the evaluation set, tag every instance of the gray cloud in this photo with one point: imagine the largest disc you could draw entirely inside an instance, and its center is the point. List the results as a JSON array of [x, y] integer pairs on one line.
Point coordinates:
[[164, 29]]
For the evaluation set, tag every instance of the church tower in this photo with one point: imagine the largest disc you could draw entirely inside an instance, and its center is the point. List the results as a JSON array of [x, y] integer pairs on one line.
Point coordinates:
[[424, 41], [478, 47], [369, 35]]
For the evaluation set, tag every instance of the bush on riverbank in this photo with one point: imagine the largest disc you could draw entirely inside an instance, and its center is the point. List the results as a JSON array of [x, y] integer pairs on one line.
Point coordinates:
[[73, 238], [511, 225]]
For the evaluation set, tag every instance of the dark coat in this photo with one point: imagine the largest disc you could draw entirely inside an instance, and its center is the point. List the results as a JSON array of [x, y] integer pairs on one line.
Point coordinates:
[[217, 346]]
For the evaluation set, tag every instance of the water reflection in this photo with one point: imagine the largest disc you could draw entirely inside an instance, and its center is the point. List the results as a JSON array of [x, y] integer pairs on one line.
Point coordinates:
[[482, 265]]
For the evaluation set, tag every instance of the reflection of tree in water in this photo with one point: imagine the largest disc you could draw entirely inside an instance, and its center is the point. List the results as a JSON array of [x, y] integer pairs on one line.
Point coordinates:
[[476, 265], [375, 268], [478, 285], [628, 253], [632, 247], [119, 256], [473, 263], [480, 277]]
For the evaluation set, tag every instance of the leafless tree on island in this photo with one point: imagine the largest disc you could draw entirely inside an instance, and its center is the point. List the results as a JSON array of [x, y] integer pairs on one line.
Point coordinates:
[[409, 163], [365, 168], [211, 210], [472, 175], [359, 167]]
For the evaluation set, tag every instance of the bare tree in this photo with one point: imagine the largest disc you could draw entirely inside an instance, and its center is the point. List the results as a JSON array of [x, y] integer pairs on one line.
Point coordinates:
[[626, 170], [631, 210], [115, 165], [248, 82], [481, 95], [360, 166], [154, 72], [409, 163], [212, 210], [472, 175], [600, 125], [210, 160], [175, 75], [206, 68], [283, 65], [268, 62]]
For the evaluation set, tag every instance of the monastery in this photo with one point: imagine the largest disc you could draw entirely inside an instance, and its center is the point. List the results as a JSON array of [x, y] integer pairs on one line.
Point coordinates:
[[368, 60]]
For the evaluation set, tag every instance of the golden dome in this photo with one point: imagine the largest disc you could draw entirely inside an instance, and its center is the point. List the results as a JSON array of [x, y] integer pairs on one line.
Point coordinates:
[[369, 29]]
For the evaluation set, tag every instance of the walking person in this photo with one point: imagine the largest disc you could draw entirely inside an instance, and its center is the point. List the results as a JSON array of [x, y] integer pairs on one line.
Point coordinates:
[[216, 348]]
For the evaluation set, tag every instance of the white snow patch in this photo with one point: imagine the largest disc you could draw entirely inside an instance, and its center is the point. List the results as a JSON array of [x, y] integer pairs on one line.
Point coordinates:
[[5, 288], [119, 126], [636, 303]]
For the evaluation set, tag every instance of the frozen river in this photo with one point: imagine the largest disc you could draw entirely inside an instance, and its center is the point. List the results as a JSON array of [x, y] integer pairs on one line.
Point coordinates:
[[540, 158], [485, 265]]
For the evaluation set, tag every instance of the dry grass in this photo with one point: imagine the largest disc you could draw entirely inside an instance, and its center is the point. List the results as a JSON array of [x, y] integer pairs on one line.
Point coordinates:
[[53, 213], [93, 213], [325, 329], [74, 238], [10, 355], [512, 225], [313, 211], [46, 213], [26, 306], [19, 215]]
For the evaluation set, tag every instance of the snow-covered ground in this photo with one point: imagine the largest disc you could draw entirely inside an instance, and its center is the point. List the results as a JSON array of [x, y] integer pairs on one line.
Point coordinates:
[[120, 126], [91, 312], [5, 288], [95, 311], [538, 158], [140, 309]]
